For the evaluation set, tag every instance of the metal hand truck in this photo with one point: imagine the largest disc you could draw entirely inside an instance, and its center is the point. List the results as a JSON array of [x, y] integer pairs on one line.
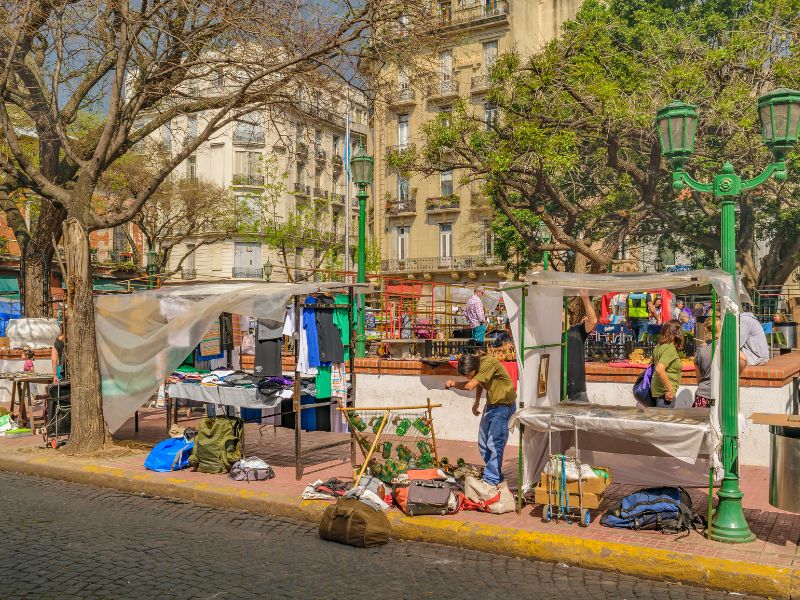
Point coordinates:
[[558, 506]]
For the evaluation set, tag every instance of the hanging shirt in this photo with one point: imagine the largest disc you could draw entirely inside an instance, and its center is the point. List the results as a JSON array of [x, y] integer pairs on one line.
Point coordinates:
[[312, 337], [323, 382], [331, 349], [341, 318]]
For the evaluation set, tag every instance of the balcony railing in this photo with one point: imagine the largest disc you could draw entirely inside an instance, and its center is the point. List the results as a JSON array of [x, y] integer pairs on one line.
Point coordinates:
[[442, 203], [487, 12], [248, 180], [248, 137], [110, 257], [396, 208], [403, 96], [318, 193], [337, 199], [444, 89], [337, 162], [321, 155], [439, 263], [479, 83], [404, 147], [302, 189], [247, 273], [188, 273], [301, 149]]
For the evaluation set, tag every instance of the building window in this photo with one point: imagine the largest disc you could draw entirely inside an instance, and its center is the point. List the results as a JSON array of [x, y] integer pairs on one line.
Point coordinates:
[[299, 132], [166, 136], [490, 115], [403, 188], [335, 143], [445, 113], [489, 56], [403, 82], [318, 179], [318, 137], [445, 240], [446, 182], [446, 71], [191, 168], [300, 173], [402, 131], [401, 248], [248, 132], [191, 128], [487, 239], [220, 80], [247, 167]]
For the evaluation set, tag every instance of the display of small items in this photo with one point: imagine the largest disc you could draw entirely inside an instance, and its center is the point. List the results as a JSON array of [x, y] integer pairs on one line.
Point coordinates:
[[404, 442]]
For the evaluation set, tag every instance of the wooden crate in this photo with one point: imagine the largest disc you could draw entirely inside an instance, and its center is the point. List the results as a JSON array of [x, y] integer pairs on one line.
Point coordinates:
[[596, 485]]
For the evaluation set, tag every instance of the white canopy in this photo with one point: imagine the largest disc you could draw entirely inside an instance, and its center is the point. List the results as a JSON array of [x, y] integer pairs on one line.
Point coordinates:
[[543, 330], [143, 337]]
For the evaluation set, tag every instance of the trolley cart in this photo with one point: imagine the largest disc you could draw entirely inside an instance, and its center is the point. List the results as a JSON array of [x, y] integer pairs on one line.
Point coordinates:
[[558, 506]]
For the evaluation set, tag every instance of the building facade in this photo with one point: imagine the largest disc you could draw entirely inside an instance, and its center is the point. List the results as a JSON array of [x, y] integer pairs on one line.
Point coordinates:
[[437, 228], [286, 169]]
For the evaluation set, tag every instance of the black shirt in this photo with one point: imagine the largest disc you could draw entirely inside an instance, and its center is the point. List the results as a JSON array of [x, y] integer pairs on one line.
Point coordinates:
[[331, 348], [59, 346], [576, 359]]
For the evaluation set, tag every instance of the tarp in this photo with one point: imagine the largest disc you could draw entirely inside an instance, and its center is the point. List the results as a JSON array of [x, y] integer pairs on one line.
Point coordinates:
[[9, 286], [543, 327], [32, 333], [142, 337]]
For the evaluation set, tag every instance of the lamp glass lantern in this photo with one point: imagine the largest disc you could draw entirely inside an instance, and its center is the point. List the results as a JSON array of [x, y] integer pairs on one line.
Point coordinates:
[[544, 233], [268, 269], [152, 255], [779, 111], [658, 264], [677, 125], [361, 165]]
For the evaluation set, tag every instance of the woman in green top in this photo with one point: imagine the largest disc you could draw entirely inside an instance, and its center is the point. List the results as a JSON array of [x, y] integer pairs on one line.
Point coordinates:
[[487, 373], [667, 363]]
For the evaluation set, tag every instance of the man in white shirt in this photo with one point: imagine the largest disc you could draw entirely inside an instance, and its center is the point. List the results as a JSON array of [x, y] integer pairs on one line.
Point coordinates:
[[753, 346]]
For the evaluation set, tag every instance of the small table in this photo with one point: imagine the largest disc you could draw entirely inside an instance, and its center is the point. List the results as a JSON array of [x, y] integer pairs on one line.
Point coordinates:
[[21, 389]]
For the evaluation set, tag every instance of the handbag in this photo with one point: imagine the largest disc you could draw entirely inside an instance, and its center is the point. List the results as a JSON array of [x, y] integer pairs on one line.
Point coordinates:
[[352, 522], [485, 497], [641, 389]]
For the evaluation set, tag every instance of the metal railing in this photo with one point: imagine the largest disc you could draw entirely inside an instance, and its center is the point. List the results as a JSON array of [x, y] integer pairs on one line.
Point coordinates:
[[448, 87], [435, 263], [251, 137], [318, 193], [337, 161], [401, 207], [404, 95], [113, 257], [302, 188], [301, 149], [336, 198], [495, 9], [480, 82], [247, 273], [442, 203], [404, 147], [321, 155], [242, 179]]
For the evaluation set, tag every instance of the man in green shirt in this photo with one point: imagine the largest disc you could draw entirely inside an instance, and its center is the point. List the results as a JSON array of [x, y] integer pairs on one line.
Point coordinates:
[[487, 373]]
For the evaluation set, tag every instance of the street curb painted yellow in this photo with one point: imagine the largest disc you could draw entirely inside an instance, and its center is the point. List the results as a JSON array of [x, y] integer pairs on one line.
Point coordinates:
[[723, 574]]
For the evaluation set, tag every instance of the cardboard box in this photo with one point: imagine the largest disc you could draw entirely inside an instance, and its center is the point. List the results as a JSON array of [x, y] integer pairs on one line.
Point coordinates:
[[595, 485], [590, 500]]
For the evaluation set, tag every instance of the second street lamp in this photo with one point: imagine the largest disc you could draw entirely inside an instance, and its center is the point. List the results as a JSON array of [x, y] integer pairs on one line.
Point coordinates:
[[267, 270], [361, 165], [677, 123], [546, 237]]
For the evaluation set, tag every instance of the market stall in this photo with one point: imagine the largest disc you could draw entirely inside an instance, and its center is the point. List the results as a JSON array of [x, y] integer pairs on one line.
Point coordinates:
[[641, 446], [143, 337]]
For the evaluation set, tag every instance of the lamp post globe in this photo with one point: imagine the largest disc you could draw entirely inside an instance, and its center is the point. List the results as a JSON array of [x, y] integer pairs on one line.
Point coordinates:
[[677, 125], [267, 270], [546, 236], [361, 166], [779, 112]]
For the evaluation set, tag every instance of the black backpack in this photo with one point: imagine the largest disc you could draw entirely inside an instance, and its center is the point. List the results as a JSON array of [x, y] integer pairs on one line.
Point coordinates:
[[665, 509]]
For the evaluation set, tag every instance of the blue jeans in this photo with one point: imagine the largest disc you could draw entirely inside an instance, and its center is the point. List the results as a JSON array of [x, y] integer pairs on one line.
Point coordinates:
[[639, 327], [492, 438], [662, 402]]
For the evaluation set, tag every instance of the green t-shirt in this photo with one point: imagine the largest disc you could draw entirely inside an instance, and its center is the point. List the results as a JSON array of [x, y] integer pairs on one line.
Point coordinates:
[[667, 355], [494, 378]]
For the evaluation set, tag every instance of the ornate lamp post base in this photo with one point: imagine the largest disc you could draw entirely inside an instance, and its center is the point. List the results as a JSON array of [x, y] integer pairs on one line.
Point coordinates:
[[729, 524]]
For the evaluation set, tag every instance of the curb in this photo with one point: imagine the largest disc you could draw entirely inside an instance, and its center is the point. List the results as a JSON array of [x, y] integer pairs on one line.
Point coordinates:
[[716, 573]]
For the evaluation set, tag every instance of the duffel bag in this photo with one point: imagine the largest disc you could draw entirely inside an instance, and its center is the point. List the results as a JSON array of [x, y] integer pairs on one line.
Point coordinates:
[[218, 444], [352, 522], [485, 497], [169, 455], [665, 509], [251, 469]]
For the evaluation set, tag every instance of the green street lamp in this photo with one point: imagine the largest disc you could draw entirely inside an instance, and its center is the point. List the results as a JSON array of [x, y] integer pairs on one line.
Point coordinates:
[[267, 270], [361, 165], [152, 257], [546, 236], [677, 123]]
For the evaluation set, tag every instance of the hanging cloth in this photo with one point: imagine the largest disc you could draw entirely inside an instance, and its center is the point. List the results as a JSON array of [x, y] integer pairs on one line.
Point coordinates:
[[323, 382], [226, 331], [341, 318], [331, 349], [312, 337]]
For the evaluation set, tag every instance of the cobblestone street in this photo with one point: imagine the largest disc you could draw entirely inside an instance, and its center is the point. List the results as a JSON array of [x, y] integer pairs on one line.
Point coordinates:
[[64, 540]]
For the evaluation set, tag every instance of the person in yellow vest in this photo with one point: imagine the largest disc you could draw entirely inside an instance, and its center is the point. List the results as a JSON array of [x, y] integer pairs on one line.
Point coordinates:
[[640, 306]]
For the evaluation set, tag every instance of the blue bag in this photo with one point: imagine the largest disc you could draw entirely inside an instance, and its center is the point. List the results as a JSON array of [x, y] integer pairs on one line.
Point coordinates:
[[641, 389], [169, 455], [665, 509]]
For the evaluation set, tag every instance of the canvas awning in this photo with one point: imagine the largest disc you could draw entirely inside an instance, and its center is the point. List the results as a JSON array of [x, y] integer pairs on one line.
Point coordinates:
[[9, 286], [144, 336]]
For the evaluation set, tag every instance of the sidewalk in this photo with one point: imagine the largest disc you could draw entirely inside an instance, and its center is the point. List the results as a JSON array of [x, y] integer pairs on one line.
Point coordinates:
[[769, 566]]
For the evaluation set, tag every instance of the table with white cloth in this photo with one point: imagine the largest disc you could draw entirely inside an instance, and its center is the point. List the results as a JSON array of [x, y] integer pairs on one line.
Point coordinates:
[[220, 395], [643, 446]]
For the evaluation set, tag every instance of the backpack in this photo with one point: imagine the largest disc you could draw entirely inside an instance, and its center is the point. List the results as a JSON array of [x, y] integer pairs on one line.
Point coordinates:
[[665, 509], [218, 444], [354, 523], [642, 390], [169, 455]]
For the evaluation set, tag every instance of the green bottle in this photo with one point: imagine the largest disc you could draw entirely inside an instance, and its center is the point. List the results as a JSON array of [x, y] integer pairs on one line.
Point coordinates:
[[425, 461], [356, 421], [403, 453], [364, 443], [424, 447], [376, 426], [387, 449], [422, 426], [402, 427]]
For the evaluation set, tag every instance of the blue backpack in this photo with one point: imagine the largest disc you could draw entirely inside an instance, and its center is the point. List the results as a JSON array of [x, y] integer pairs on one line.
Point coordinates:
[[169, 455], [665, 509], [641, 389]]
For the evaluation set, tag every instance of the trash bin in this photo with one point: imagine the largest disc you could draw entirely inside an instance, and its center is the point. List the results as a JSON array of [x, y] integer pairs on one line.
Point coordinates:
[[784, 467], [789, 331]]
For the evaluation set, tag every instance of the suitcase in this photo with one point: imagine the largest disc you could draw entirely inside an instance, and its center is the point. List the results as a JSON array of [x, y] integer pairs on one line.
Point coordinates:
[[352, 522], [427, 497]]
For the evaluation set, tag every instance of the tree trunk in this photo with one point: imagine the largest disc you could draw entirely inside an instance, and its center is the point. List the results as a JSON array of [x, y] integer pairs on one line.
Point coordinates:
[[89, 431], [37, 258]]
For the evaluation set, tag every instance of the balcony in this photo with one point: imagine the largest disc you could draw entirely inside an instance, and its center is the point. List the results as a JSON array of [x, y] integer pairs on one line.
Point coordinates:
[[318, 193], [403, 97], [188, 274], [483, 14], [337, 162], [337, 199], [248, 180], [442, 204], [401, 208], [444, 90], [480, 83], [301, 149], [321, 155], [479, 201], [301, 189], [438, 263], [248, 273], [248, 137]]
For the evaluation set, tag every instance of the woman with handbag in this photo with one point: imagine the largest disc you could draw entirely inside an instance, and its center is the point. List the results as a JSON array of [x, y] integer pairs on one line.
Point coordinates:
[[667, 365]]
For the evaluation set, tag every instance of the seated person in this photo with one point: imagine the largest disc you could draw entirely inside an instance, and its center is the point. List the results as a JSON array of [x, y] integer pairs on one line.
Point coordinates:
[[753, 346]]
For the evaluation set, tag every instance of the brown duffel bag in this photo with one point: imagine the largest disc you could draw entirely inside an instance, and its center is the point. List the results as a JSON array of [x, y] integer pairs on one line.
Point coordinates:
[[352, 522]]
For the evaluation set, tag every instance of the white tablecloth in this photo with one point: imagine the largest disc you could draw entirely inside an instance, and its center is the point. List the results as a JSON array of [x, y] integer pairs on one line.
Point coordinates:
[[228, 396]]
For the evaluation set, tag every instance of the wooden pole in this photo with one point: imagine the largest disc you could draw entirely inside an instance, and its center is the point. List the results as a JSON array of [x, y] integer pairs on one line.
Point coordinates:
[[433, 434], [372, 448], [351, 401], [296, 405]]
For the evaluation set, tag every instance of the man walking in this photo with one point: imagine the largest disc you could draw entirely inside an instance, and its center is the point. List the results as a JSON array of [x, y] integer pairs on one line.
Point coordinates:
[[576, 352], [476, 316]]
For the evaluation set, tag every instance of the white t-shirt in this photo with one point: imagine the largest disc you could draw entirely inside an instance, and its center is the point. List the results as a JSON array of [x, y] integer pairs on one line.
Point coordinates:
[[753, 340]]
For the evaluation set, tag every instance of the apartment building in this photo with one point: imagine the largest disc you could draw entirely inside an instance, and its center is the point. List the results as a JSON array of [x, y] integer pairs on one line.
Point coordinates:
[[297, 149], [435, 228]]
